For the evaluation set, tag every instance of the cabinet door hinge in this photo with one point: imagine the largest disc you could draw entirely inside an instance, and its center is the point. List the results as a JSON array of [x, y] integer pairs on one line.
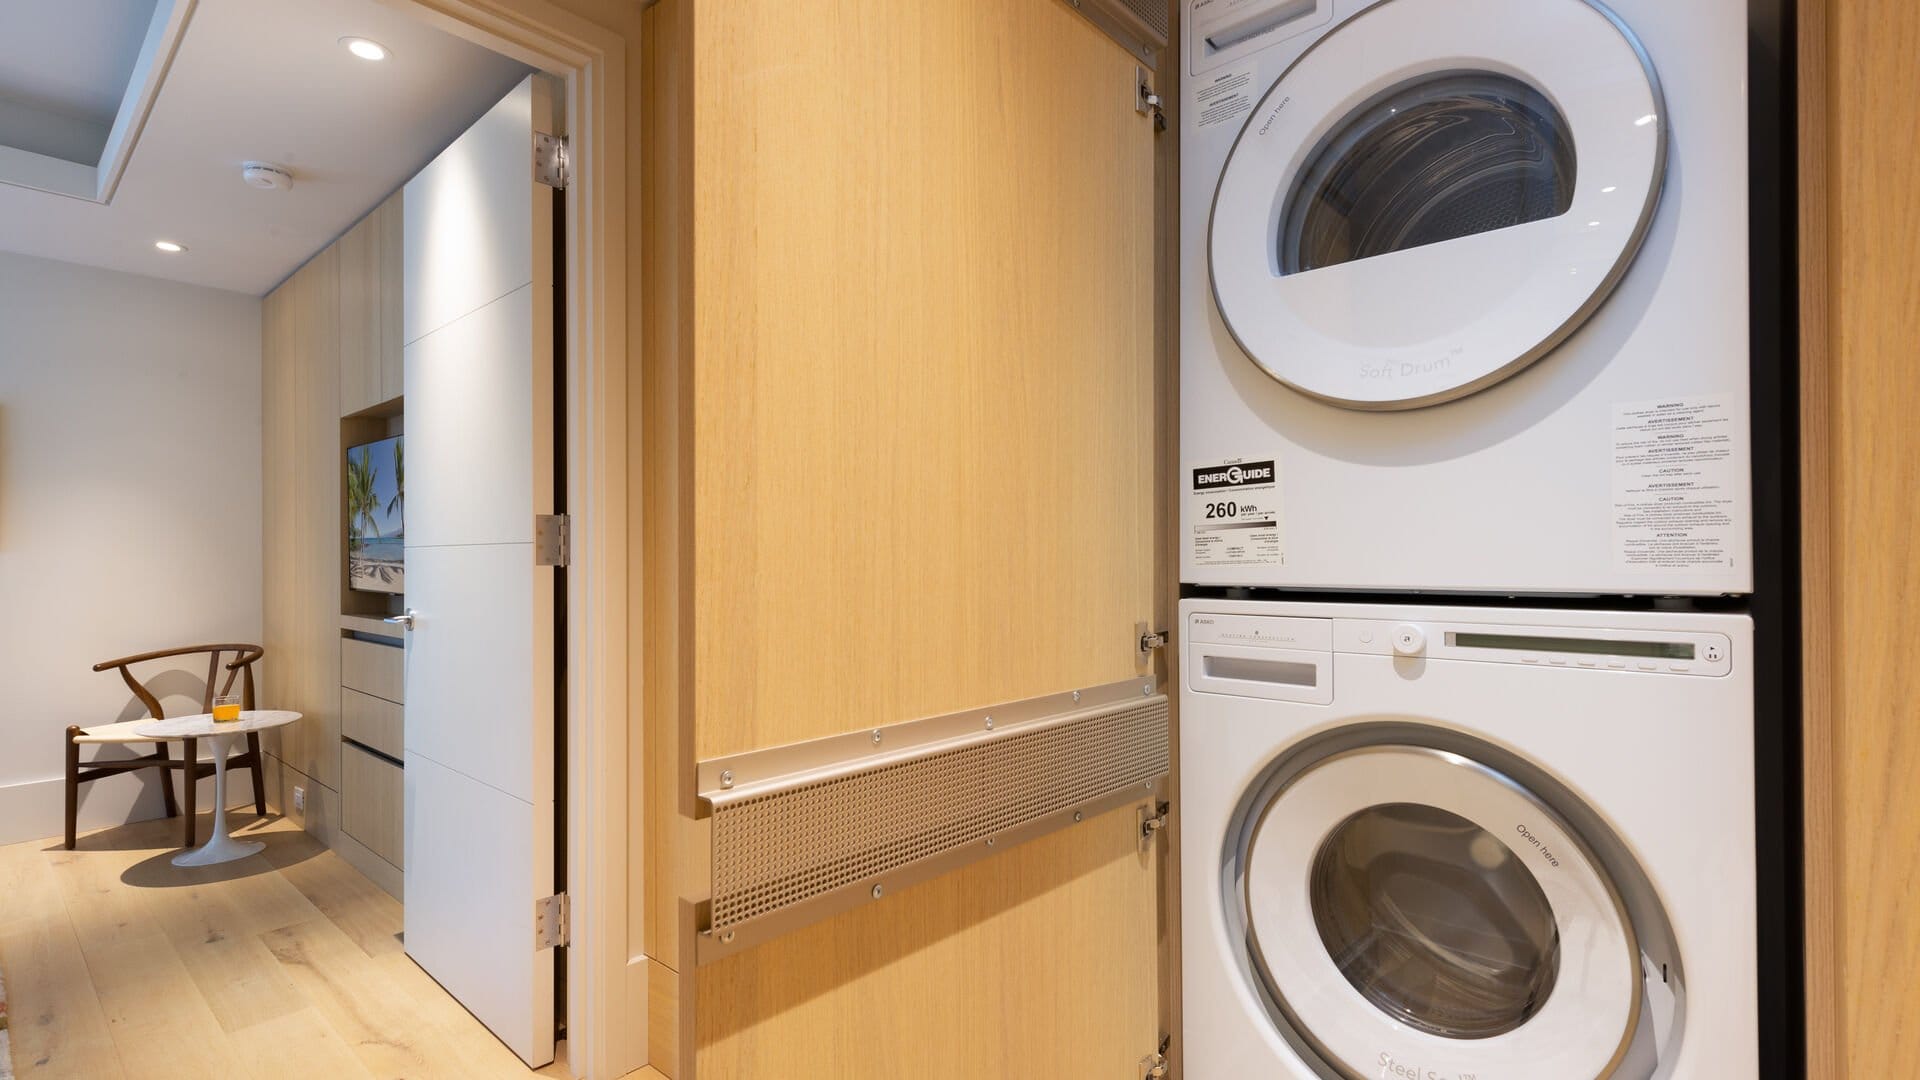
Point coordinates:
[[1146, 101], [1151, 823], [552, 160], [550, 919], [552, 539], [1155, 1065], [1150, 639]]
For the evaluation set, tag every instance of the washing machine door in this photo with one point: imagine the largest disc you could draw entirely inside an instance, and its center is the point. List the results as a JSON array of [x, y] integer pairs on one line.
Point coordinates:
[[1413, 912], [1435, 195]]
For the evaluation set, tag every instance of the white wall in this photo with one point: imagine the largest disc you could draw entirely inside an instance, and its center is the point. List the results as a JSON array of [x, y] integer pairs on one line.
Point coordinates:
[[130, 512]]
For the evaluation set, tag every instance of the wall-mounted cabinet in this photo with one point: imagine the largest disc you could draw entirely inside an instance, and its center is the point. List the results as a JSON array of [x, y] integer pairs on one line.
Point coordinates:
[[332, 378], [370, 309]]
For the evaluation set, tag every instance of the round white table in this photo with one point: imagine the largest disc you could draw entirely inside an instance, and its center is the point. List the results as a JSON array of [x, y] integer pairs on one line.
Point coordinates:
[[219, 847]]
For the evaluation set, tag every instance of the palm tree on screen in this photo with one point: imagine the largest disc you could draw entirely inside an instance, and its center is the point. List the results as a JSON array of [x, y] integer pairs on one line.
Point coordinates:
[[362, 504], [398, 504]]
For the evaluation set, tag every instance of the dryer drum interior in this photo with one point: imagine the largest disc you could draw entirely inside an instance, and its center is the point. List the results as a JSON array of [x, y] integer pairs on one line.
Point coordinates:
[[1438, 158]]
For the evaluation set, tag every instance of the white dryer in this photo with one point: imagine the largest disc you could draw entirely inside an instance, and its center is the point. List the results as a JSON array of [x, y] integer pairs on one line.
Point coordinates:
[[1447, 843], [1464, 296]]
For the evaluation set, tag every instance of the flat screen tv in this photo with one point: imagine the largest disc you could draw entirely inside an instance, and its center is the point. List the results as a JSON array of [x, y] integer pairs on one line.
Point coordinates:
[[376, 517]]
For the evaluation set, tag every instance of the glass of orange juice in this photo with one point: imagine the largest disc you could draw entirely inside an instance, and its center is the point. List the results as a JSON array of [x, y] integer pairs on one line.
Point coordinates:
[[226, 707]]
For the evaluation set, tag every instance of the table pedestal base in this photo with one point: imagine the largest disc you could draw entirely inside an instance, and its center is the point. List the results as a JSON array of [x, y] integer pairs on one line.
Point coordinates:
[[220, 847]]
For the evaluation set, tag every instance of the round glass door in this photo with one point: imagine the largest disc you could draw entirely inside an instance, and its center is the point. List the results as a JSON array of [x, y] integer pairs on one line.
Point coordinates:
[[1439, 158], [1434, 196], [1434, 921], [1407, 904]]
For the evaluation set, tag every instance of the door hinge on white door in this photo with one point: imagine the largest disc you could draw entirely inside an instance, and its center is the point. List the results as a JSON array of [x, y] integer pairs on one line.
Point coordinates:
[[550, 921], [552, 160], [1155, 1065], [552, 539]]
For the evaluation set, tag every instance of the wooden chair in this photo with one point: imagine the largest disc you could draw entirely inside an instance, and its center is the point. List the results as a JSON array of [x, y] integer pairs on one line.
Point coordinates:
[[240, 667]]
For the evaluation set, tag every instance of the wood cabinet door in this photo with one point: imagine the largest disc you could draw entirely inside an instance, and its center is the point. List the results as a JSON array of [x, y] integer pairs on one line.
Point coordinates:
[[902, 340]]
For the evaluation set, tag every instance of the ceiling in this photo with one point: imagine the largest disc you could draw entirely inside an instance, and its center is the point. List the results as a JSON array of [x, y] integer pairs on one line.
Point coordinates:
[[62, 80], [251, 80]]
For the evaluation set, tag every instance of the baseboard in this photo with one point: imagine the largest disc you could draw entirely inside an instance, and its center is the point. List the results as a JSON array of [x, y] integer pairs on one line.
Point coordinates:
[[37, 809]]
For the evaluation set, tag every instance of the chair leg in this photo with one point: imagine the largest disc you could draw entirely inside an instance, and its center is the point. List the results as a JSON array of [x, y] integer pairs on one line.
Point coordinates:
[[259, 780], [190, 777], [73, 786], [171, 804]]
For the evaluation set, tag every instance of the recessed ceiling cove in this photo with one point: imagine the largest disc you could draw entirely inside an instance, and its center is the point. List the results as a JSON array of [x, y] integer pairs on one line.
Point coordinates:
[[94, 174], [76, 81]]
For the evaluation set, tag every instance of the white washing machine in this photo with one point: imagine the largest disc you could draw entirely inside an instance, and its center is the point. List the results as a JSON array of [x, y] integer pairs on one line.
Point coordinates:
[[1445, 843], [1464, 296]]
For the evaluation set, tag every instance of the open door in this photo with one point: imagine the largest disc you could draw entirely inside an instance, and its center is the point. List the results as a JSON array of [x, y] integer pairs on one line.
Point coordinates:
[[481, 647]]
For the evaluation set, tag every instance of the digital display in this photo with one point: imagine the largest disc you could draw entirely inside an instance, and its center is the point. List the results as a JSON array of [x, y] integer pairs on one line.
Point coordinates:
[[1652, 650]]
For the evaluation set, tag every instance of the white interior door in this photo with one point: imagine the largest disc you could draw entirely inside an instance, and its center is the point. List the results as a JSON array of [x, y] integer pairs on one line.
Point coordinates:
[[480, 654]]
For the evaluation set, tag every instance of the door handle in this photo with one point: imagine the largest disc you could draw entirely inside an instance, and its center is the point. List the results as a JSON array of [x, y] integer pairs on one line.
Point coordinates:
[[403, 621]]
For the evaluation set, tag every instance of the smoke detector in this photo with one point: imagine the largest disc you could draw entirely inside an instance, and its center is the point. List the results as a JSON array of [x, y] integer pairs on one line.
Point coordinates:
[[266, 176]]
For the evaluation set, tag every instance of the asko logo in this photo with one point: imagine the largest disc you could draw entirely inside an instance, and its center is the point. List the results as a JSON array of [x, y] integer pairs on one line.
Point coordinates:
[[1229, 476]]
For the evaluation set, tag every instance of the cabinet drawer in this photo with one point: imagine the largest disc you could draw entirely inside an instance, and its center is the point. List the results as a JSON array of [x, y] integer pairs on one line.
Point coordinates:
[[371, 797], [374, 669], [373, 721]]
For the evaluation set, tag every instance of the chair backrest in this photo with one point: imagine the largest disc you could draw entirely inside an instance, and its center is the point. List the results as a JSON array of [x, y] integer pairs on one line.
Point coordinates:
[[240, 667]]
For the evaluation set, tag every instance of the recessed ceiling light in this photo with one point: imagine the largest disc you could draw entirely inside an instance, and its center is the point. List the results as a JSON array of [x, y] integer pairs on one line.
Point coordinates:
[[169, 246], [365, 48]]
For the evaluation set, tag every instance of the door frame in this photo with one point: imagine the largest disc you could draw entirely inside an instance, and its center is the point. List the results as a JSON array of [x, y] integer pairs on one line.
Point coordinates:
[[605, 982]]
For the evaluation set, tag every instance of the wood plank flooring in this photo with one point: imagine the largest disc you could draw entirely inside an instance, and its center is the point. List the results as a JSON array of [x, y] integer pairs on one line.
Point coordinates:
[[285, 964]]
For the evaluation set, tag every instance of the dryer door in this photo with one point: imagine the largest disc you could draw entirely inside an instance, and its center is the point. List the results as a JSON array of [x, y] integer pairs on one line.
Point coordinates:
[[1435, 195], [1414, 912]]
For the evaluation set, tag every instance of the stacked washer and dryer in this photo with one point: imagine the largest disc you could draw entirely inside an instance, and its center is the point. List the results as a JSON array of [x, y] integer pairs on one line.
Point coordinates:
[[1465, 321]]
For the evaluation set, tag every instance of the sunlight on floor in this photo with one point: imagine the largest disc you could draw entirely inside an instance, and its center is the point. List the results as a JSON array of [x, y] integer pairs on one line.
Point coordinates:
[[285, 964]]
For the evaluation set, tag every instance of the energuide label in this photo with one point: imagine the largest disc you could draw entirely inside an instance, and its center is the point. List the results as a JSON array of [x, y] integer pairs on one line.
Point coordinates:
[[1676, 484], [1233, 510]]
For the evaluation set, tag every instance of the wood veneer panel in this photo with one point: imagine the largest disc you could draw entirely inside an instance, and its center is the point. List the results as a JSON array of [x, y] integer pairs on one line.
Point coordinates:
[[304, 515], [1873, 218], [1037, 963], [370, 803], [923, 385], [907, 388], [663, 523]]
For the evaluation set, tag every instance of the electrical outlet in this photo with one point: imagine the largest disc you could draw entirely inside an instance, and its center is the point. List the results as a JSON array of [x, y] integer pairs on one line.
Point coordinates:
[[299, 797]]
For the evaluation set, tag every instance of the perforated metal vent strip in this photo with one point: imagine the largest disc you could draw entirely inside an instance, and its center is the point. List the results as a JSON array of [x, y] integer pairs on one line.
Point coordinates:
[[785, 846]]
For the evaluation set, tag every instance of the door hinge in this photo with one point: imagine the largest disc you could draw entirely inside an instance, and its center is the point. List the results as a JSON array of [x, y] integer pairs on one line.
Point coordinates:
[[552, 160], [1155, 1065], [1150, 639], [1151, 823], [1146, 102], [550, 921], [552, 539]]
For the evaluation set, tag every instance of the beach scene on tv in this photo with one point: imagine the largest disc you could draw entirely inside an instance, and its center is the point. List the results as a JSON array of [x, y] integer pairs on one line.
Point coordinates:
[[376, 516]]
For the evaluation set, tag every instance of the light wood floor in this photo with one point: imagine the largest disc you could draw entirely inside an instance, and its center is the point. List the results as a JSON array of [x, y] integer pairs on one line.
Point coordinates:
[[285, 964]]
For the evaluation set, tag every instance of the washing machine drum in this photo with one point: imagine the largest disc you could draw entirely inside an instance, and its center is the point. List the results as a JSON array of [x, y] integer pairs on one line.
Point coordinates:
[[1412, 912], [1435, 195]]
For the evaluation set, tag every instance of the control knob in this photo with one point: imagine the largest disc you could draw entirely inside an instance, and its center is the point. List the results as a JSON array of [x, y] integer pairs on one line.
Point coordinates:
[[1409, 640]]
